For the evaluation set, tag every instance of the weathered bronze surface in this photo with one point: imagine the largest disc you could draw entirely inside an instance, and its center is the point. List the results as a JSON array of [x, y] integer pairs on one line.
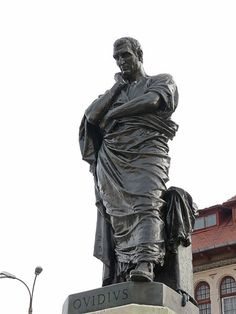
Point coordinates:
[[124, 137]]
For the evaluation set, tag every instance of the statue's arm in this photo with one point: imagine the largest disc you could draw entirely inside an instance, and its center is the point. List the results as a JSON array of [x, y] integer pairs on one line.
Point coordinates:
[[96, 111], [146, 103]]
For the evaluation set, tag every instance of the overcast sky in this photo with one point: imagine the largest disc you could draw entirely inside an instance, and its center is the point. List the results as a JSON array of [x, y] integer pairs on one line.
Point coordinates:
[[56, 58]]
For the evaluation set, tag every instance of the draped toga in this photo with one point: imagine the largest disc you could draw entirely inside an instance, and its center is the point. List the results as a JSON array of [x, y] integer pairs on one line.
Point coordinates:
[[130, 162]]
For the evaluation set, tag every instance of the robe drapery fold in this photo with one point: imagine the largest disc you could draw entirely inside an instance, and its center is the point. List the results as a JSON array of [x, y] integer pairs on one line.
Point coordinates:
[[129, 160]]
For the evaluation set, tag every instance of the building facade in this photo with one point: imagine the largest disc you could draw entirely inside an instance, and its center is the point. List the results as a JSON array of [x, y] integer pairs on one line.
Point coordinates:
[[214, 259]]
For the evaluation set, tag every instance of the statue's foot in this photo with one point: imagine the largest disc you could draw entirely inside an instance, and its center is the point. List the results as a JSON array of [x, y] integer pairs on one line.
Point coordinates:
[[143, 272]]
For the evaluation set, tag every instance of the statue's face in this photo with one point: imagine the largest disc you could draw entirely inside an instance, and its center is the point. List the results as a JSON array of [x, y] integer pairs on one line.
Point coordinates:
[[126, 59]]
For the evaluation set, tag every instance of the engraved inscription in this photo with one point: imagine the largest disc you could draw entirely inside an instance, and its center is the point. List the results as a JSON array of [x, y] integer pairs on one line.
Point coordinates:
[[101, 298]]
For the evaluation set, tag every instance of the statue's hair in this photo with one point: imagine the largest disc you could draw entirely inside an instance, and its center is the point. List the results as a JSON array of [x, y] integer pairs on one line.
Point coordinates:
[[135, 45]]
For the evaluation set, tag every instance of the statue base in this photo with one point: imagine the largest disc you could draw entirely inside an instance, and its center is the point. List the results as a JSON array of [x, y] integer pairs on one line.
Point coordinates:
[[156, 297], [136, 309]]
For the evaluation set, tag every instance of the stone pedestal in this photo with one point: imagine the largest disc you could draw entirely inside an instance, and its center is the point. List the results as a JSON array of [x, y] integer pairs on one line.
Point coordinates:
[[112, 298], [136, 309]]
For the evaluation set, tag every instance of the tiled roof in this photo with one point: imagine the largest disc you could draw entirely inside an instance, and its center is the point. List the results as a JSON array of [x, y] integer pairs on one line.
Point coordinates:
[[232, 199], [214, 237], [217, 236]]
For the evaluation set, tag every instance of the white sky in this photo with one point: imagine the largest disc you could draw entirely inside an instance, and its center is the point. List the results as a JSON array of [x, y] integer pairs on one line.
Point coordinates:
[[55, 58]]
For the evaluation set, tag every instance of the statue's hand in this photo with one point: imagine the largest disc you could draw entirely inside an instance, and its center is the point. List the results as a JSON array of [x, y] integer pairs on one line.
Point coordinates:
[[119, 84], [119, 78]]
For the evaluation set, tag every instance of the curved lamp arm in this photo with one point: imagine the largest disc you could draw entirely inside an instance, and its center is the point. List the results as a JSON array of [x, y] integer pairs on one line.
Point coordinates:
[[38, 271]]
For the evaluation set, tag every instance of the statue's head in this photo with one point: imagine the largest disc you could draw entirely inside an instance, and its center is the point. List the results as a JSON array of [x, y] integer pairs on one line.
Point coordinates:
[[128, 55]]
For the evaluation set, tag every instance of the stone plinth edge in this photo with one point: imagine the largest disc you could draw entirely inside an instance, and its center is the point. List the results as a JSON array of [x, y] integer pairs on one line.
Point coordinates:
[[138, 293], [136, 309]]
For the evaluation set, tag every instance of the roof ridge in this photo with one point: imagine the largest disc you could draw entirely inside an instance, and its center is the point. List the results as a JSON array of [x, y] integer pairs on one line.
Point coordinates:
[[232, 199]]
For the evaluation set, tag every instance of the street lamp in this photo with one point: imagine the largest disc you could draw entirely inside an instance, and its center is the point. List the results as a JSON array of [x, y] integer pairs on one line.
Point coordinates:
[[37, 271]]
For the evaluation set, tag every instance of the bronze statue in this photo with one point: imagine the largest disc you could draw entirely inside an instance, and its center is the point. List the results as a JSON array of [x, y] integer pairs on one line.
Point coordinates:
[[124, 136]]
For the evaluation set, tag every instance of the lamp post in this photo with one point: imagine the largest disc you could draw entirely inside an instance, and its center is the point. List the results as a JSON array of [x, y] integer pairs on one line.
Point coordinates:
[[37, 271]]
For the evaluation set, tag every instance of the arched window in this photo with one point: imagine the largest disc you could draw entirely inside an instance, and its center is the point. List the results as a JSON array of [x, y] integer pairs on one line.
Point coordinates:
[[228, 295], [202, 296]]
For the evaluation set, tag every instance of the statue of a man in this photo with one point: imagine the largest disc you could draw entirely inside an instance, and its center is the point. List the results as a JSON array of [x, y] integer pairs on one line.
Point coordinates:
[[124, 136]]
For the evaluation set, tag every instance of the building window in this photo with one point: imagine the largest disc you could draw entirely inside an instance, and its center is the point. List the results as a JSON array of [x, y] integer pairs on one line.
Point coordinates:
[[204, 308], [228, 295], [202, 296], [205, 222]]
